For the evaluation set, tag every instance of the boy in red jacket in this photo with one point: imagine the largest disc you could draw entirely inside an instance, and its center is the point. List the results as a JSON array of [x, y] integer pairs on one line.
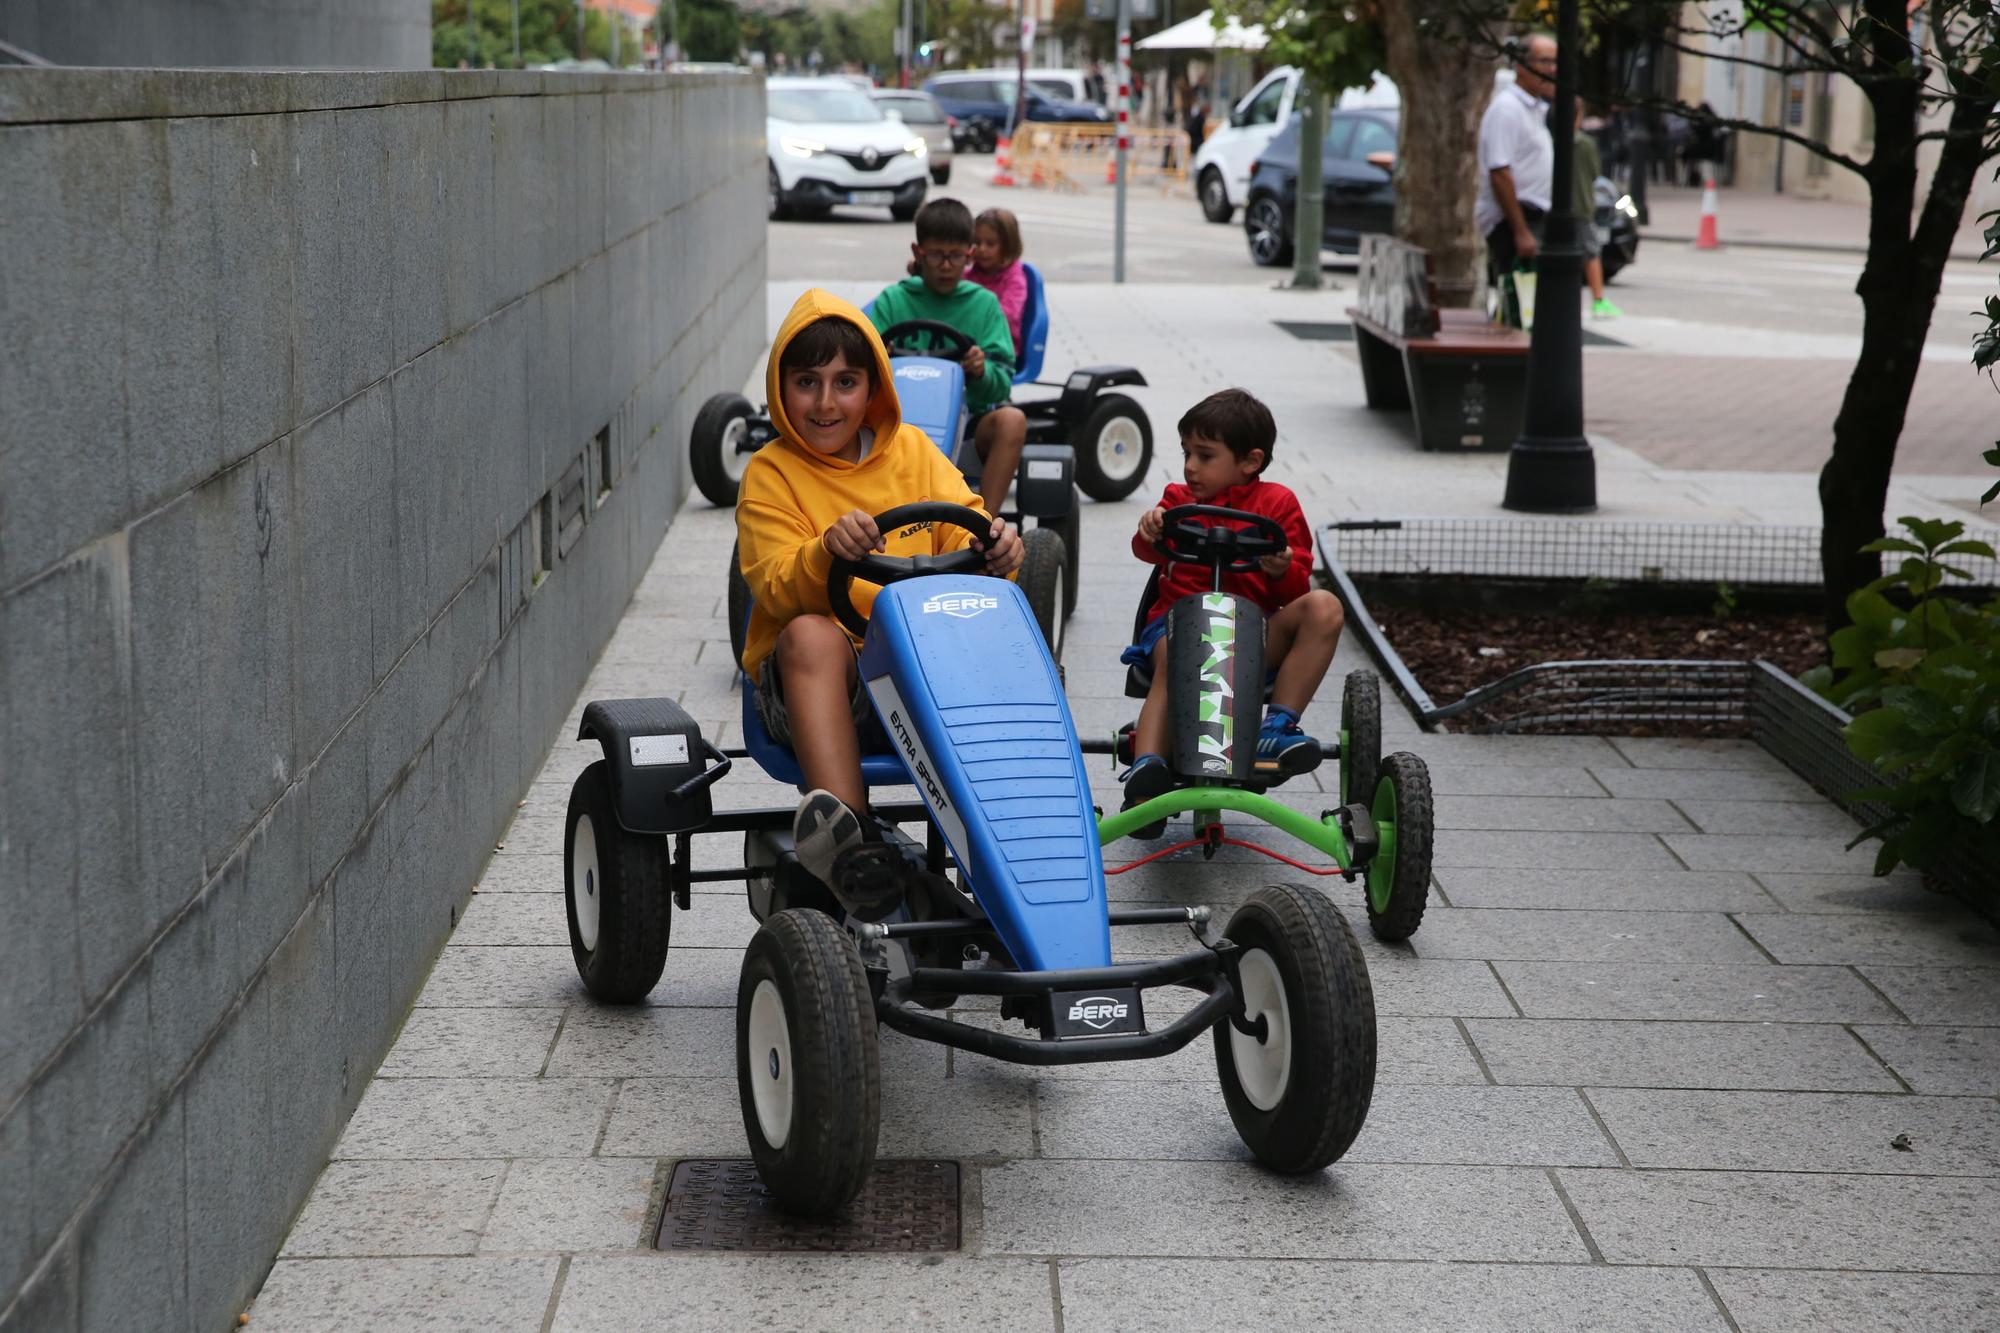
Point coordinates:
[[1226, 443]]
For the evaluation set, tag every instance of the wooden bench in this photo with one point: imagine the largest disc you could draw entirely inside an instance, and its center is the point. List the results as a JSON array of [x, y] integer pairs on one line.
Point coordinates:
[[1462, 379]]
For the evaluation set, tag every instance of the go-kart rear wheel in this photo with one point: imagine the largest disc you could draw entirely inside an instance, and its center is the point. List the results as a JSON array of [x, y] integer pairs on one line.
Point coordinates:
[[807, 1067], [738, 603], [1399, 878], [1298, 1087], [716, 447], [615, 891], [1360, 735], [1044, 569], [1114, 448]]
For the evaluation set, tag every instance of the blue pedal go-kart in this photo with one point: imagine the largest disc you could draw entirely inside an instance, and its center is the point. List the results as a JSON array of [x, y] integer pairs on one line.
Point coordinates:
[[1216, 688], [1002, 894]]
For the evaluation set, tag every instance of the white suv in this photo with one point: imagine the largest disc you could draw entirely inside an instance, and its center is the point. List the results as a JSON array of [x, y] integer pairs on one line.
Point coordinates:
[[830, 144], [1222, 164]]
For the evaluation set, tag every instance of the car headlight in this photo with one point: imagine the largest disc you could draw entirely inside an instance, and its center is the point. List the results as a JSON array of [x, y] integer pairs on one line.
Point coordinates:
[[1625, 206], [916, 148], [800, 147]]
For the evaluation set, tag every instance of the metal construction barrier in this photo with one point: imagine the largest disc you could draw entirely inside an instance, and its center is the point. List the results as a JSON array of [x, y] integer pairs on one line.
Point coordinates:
[[1070, 157]]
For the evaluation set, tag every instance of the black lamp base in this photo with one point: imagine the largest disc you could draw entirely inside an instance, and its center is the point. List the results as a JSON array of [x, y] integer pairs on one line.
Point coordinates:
[[1551, 477]]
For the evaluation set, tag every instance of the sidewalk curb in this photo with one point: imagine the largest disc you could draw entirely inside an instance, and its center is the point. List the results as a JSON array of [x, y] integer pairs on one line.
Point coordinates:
[[1817, 247]]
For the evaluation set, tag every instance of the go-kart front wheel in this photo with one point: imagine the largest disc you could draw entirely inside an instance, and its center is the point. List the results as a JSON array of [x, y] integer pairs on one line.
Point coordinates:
[[719, 447], [807, 1067], [616, 894], [1114, 448], [1044, 573], [1299, 1083], [1399, 878], [1360, 735]]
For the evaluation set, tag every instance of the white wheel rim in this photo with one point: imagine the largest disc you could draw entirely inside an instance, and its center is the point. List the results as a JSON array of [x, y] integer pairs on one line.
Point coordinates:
[[1120, 446], [1263, 1068], [770, 1039], [584, 882], [1056, 617], [734, 460], [1214, 192]]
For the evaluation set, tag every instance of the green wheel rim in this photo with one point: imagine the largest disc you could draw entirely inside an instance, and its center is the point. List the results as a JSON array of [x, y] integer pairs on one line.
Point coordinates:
[[1381, 873], [1344, 752]]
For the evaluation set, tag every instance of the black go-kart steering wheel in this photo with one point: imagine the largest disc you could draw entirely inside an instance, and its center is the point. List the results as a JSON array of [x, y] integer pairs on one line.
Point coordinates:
[[893, 338], [1231, 550], [884, 570]]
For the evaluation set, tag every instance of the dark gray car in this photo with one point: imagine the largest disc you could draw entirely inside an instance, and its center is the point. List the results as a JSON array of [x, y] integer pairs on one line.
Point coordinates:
[[921, 112]]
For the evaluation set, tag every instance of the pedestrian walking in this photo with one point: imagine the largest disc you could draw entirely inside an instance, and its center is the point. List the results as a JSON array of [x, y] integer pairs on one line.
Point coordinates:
[[1517, 161], [1588, 167]]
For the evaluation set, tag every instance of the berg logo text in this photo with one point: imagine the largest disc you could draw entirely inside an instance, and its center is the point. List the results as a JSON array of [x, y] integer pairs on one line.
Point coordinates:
[[964, 605], [1098, 1011]]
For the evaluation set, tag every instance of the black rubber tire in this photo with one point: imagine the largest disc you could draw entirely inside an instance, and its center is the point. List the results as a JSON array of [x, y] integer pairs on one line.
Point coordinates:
[[1318, 1105], [1361, 719], [778, 209], [1396, 907], [1092, 477], [738, 603], [1043, 574], [1266, 215], [1214, 196], [1070, 528], [706, 444], [835, 1091], [940, 175], [626, 874]]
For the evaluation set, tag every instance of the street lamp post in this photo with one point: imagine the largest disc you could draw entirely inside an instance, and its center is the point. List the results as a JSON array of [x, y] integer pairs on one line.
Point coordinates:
[[1550, 469]]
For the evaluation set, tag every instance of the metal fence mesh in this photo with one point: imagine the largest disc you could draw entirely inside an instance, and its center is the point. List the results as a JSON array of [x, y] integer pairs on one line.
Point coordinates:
[[1611, 699]]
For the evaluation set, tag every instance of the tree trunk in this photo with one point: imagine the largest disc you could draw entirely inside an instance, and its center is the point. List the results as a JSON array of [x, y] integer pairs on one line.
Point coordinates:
[[1898, 289], [1437, 159], [1309, 212]]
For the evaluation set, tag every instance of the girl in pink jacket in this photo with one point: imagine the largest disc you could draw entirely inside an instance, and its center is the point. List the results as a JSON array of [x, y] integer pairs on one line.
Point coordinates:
[[996, 266]]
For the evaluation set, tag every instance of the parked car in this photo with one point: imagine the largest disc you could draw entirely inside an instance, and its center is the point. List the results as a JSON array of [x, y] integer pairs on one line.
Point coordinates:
[[1358, 162], [1222, 162], [984, 104], [1065, 85], [920, 111], [830, 144]]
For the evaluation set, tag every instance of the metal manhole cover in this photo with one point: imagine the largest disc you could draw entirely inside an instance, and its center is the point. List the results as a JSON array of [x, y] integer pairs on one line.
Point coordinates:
[[720, 1204]]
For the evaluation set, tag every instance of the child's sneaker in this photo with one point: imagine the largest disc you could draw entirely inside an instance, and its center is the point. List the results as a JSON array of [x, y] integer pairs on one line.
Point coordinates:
[[824, 828], [867, 875], [1283, 748], [1148, 777]]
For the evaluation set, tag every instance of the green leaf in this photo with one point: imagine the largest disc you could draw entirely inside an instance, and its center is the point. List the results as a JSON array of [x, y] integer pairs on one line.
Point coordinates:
[[1932, 532], [1925, 712], [1970, 547], [1876, 733], [1898, 659], [1871, 610], [1894, 544], [1818, 679], [1975, 792]]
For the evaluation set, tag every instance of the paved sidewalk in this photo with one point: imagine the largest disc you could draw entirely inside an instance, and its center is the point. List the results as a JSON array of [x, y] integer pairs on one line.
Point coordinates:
[[1781, 221], [1661, 1056]]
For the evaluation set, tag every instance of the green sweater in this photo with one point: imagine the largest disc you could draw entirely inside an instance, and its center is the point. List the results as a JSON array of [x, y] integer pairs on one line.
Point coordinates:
[[1589, 166], [973, 311]]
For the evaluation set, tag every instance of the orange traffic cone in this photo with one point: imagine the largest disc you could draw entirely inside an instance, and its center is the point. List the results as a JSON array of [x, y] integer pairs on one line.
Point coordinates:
[[1705, 239], [1111, 169], [1003, 161]]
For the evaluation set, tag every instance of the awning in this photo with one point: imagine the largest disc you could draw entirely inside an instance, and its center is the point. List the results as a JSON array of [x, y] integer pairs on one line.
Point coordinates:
[[1199, 34]]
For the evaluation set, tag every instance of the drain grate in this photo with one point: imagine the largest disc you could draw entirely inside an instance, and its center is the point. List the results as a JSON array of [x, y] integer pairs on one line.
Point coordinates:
[[719, 1204]]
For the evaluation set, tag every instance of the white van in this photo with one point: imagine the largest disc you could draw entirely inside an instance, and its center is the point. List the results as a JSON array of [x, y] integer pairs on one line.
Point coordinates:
[[1222, 165], [1065, 85]]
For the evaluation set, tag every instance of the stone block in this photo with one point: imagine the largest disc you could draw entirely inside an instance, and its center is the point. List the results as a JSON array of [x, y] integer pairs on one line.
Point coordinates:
[[547, 375], [948, 1293], [525, 229], [426, 502], [1458, 849], [18, 1250], [337, 798], [1604, 890], [256, 239], [341, 471], [1710, 992], [416, 231], [1772, 1219], [395, 1208], [1941, 995], [246, 536], [481, 1295], [364, 947], [1352, 1211], [132, 1243], [572, 1204], [272, 880], [48, 1302], [366, 319], [472, 1043], [1447, 751], [1765, 1301], [172, 372], [1511, 780], [1897, 940], [310, 1092], [319, 330], [1860, 894], [238, 1192], [1447, 987], [85, 1105], [1704, 755], [1180, 1295], [1558, 814], [634, 1043], [437, 1118], [197, 967], [1803, 1131], [1771, 851], [1941, 1061], [1583, 937], [169, 693], [592, 396], [1768, 817], [468, 213], [53, 371], [1721, 784], [1676, 1055]]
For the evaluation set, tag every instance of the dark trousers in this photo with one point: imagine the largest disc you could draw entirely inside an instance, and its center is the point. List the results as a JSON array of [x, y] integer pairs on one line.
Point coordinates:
[[1500, 242]]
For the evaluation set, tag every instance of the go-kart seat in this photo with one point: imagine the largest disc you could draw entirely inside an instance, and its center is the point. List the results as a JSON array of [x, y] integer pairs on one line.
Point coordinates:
[[879, 768], [1034, 327]]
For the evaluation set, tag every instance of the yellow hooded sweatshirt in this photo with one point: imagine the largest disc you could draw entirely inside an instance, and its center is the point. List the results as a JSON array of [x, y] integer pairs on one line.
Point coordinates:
[[791, 493]]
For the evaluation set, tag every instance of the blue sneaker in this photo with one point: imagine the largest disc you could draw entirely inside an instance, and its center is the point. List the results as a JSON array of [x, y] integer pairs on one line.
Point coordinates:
[[1148, 777], [1284, 751]]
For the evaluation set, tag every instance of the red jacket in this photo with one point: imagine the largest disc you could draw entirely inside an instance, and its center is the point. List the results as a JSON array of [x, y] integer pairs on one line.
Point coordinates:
[[1257, 497]]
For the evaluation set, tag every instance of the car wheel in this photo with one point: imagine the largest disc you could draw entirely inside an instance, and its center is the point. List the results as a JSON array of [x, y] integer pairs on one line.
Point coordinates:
[[941, 175], [1264, 225], [778, 210], [1215, 205]]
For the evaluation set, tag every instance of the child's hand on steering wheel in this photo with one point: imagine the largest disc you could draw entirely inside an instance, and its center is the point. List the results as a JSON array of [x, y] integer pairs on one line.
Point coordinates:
[[974, 363], [853, 535], [1004, 552], [1275, 564], [1151, 522]]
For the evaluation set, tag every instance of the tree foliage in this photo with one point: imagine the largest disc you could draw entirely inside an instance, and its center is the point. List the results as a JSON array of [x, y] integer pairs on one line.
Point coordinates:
[[481, 34]]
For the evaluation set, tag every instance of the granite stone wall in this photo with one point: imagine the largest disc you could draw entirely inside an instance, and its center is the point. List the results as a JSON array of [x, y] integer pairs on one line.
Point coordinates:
[[268, 34]]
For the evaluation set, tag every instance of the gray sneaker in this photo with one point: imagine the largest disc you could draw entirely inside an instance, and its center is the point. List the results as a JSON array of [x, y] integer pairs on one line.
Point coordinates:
[[823, 828]]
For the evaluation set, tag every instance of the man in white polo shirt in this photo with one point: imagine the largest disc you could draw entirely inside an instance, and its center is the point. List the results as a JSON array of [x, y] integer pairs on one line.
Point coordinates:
[[1517, 160]]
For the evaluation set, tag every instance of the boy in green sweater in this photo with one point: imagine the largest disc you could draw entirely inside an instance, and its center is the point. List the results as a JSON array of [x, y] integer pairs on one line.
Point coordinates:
[[938, 290]]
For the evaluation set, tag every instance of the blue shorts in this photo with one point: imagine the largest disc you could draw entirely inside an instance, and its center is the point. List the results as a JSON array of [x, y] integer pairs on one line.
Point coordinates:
[[1140, 654]]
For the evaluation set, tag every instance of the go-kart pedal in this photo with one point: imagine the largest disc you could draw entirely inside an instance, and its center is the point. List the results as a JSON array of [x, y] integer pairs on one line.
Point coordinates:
[[871, 879]]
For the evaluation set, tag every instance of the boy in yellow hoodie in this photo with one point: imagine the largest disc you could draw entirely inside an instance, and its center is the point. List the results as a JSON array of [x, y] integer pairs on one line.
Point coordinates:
[[841, 456]]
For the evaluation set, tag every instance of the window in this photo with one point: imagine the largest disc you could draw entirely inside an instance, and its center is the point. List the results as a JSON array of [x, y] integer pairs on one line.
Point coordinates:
[[1263, 109], [1055, 88], [1370, 136], [1338, 131], [838, 106], [914, 110]]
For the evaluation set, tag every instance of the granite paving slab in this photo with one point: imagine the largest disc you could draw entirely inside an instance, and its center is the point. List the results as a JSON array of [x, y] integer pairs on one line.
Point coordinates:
[[1968, 996], [1706, 755], [1552, 851], [1674, 784], [393, 1208], [1765, 1301], [471, 1117], [1890, 1134], [475, 1295], [1709, 992], [1582, 936], [1515, 780], [1605, 890], [503, 976], [1859, 894], [1941, 1061], [1790, 817], [569, 1204], [1677, 1055], [1772, 851], [1559, 814], [1942, 940], [473, 1043]]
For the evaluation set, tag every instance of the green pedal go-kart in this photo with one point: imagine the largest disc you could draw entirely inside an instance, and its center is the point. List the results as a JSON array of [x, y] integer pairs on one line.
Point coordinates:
[[1380, 833]]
